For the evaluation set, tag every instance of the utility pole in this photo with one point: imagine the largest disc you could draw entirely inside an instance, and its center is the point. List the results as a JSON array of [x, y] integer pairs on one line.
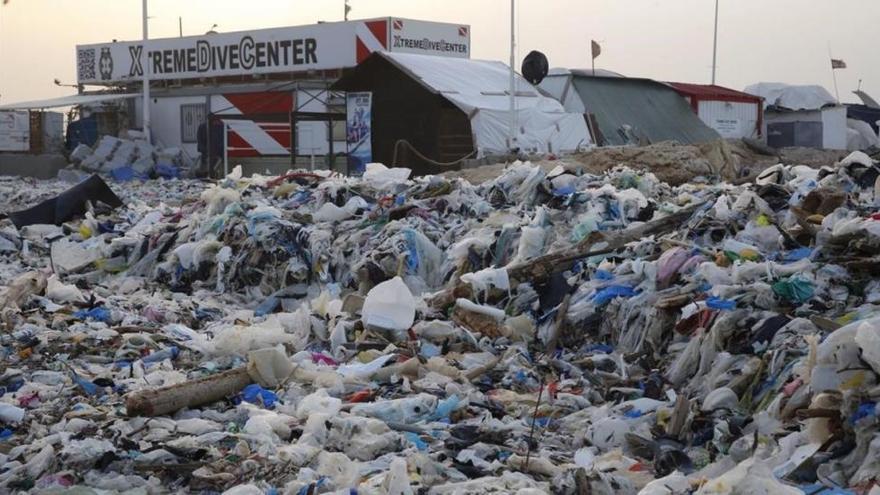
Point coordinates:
[[347, 9], [512, 77], [715, 45], [146, 102], [180, 26]]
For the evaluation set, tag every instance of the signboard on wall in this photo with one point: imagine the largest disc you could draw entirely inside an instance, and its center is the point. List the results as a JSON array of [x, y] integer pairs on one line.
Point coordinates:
[[430, 38], [728, 128], [334, 45], [358, 131], [15, 130]]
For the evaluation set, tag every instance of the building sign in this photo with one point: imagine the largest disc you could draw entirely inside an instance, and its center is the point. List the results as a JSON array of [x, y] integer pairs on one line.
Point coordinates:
[[727, 128], [316, 47], [15, 130], [408, 36], [358, 131]]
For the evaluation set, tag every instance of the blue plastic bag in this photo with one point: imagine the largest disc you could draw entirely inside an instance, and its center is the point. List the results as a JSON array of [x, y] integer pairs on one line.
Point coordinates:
[[723, 304], [256, 394], [99, 313], [605, 295], [123, 174], [167, 171]]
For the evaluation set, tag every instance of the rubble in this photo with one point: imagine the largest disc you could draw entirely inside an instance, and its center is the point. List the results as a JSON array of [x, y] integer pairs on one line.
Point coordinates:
[[548, 330], [131, 156]]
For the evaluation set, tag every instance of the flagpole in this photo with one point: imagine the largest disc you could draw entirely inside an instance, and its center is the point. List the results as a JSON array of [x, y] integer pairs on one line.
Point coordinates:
[[715, 45], [833, 73], [146, 102]]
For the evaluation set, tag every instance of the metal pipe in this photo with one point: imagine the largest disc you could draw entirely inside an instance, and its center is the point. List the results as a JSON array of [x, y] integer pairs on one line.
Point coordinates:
[[512, 78], [715, 45], [146, 102], [225, 149]]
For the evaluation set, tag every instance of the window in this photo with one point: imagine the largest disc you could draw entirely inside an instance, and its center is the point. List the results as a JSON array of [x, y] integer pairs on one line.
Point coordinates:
[[191, 117]]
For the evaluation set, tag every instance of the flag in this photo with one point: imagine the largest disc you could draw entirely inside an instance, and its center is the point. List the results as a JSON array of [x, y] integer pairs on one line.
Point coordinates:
[[837, 64], [597, 50]]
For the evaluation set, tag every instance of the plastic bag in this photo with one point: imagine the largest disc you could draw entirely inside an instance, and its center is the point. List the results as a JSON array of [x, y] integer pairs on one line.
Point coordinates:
[[389, 306]]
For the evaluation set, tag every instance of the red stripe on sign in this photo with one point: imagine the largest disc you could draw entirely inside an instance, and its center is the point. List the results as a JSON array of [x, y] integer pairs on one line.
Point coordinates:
[[380, 31], [362, 51], [263, 102], [238, 147], [398, 24], [462, 31]]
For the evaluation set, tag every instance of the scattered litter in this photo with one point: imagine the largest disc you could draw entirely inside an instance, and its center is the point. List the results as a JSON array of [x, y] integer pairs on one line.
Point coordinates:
[[540, 332]]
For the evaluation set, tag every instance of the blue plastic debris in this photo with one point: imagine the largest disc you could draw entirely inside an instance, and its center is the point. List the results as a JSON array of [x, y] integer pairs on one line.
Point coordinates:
[[564, 191], [416, 440], [256, 394], [797, 255], [88, 387], [159, 356], [125, 174], [99, 313], [603, 275], [605, 295], [6, 433], [603, 348], [865, 409], [446, 407], [412, 256], [723, 304], [167, 171], [633, 413]]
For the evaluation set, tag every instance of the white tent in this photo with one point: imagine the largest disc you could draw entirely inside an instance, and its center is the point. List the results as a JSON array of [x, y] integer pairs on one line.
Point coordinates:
[[792, 97], [481, 89], [805, 115]]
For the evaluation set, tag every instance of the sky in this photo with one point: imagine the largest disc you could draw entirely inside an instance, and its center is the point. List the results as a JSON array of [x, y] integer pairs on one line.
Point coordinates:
[[670, 40]]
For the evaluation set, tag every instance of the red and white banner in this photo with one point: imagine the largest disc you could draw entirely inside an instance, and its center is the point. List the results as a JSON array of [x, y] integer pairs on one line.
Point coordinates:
[[257, 130], [371, 36]]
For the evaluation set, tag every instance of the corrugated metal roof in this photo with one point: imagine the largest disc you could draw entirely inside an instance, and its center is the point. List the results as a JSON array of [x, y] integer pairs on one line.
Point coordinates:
[[653, 111], [711, 92]]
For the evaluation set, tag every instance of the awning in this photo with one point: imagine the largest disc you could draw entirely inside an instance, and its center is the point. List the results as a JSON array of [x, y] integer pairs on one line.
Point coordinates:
[[66, 101]]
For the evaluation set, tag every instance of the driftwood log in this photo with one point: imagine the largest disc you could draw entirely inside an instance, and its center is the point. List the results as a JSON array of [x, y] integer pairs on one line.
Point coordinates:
[[539, 270], [165, 400]]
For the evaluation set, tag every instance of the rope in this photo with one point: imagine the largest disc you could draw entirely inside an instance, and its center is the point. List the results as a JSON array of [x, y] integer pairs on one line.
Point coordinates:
[[425, 158]]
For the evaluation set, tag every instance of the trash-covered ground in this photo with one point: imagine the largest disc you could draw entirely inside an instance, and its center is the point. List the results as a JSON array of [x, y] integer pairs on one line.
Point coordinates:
[[542, 332]]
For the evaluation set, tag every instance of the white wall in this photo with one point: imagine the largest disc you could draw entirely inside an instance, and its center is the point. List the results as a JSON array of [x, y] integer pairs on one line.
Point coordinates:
[[733, 120], [833, 121], [834, 128], [165, 121]]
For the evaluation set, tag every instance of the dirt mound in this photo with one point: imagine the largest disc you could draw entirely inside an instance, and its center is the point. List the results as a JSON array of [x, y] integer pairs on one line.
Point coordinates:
[[675, 163]]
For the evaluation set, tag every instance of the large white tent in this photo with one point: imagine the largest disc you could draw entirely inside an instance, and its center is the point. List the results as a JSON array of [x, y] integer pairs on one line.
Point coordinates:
[[481, 89]]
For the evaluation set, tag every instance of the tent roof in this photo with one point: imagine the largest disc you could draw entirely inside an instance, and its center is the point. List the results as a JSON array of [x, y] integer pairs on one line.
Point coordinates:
[[583, 72], [712, 92], [470, 84], [66, 101], [791, 97], [642, 108], [866, 99]]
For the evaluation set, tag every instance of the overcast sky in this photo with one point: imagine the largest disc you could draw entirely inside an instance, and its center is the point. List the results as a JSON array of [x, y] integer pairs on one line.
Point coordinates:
[[759, 40]]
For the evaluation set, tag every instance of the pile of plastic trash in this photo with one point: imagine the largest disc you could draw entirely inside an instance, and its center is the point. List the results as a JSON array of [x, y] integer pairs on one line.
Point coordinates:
[[131, 157], [543, 332]]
